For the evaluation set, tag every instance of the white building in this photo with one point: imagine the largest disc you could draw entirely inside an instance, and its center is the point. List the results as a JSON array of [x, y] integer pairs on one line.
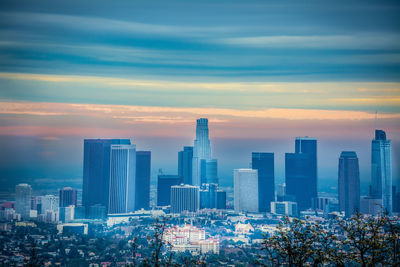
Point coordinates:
[[190, 238], [49, 203], [245, 190], [284, 208]]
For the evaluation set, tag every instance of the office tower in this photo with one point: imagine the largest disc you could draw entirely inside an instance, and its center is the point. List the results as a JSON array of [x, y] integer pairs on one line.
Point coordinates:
[[164, 188], [264, 163], [284, 208], [208, 196], [281, 192], [184, 198], [96, 171], [349, 183], [221, 200], [301, 172], [67, 214], [49, 203], [122, 179], [245, 190], [185, 164], [143, 167], [201, 149], [209, 171], [381, 170], [67, 197], [23, 193]]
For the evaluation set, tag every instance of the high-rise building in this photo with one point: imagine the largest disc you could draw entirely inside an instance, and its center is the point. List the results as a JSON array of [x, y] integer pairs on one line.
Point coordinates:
[[185, 164], [381, 170], [184, 198], [49, 203], [122, 179], [349, 183], [67, 197], [301, 172], [23, 193], [67, 214], [201, 149], [264, 163], [221, 199], [211, 197], [280, 192], [143, 167], [245, 190], [209, 171], [164, 184], [96, 171]]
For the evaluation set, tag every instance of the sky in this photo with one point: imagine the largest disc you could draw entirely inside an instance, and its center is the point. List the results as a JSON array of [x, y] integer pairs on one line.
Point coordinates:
[[263, 72]]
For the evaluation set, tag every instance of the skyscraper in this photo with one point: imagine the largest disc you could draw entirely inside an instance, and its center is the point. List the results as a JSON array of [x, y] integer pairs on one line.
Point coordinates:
[[184, 198], [96, 171], [49, 203], [245, 190], [143, 167], [201, 149], [349, 183], [209, 171], [264, 163], [185, 164], [164, 184], [67, 197], [301, 172], [23, 193], [122, 179], [381, 170]]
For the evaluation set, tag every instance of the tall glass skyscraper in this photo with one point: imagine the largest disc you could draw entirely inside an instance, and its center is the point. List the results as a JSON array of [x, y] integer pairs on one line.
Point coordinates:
[[23, 193], [201, 149], [209, 171], [301, 172], [122, 179], [381, 170], [143, 167], [185, 164], [349, 183], [96, 171], [264, 163]]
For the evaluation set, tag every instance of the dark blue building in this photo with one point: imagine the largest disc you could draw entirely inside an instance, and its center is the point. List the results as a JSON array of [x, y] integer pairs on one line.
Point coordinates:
[[264, 163], [185, 165], [96, 171], [143, 167], [349, 183], [164, 184], [301, 172]]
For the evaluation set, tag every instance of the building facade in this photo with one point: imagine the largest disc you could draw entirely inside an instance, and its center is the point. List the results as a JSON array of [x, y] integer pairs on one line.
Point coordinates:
[[201, 149], [349, 183], [246, 190], [381, 170], [67, 197], [264, 163], [301, 172], [185, 198], [122, 179], [185, 164], [23, 193], [96, 171], [164, 183], [143, 171]]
